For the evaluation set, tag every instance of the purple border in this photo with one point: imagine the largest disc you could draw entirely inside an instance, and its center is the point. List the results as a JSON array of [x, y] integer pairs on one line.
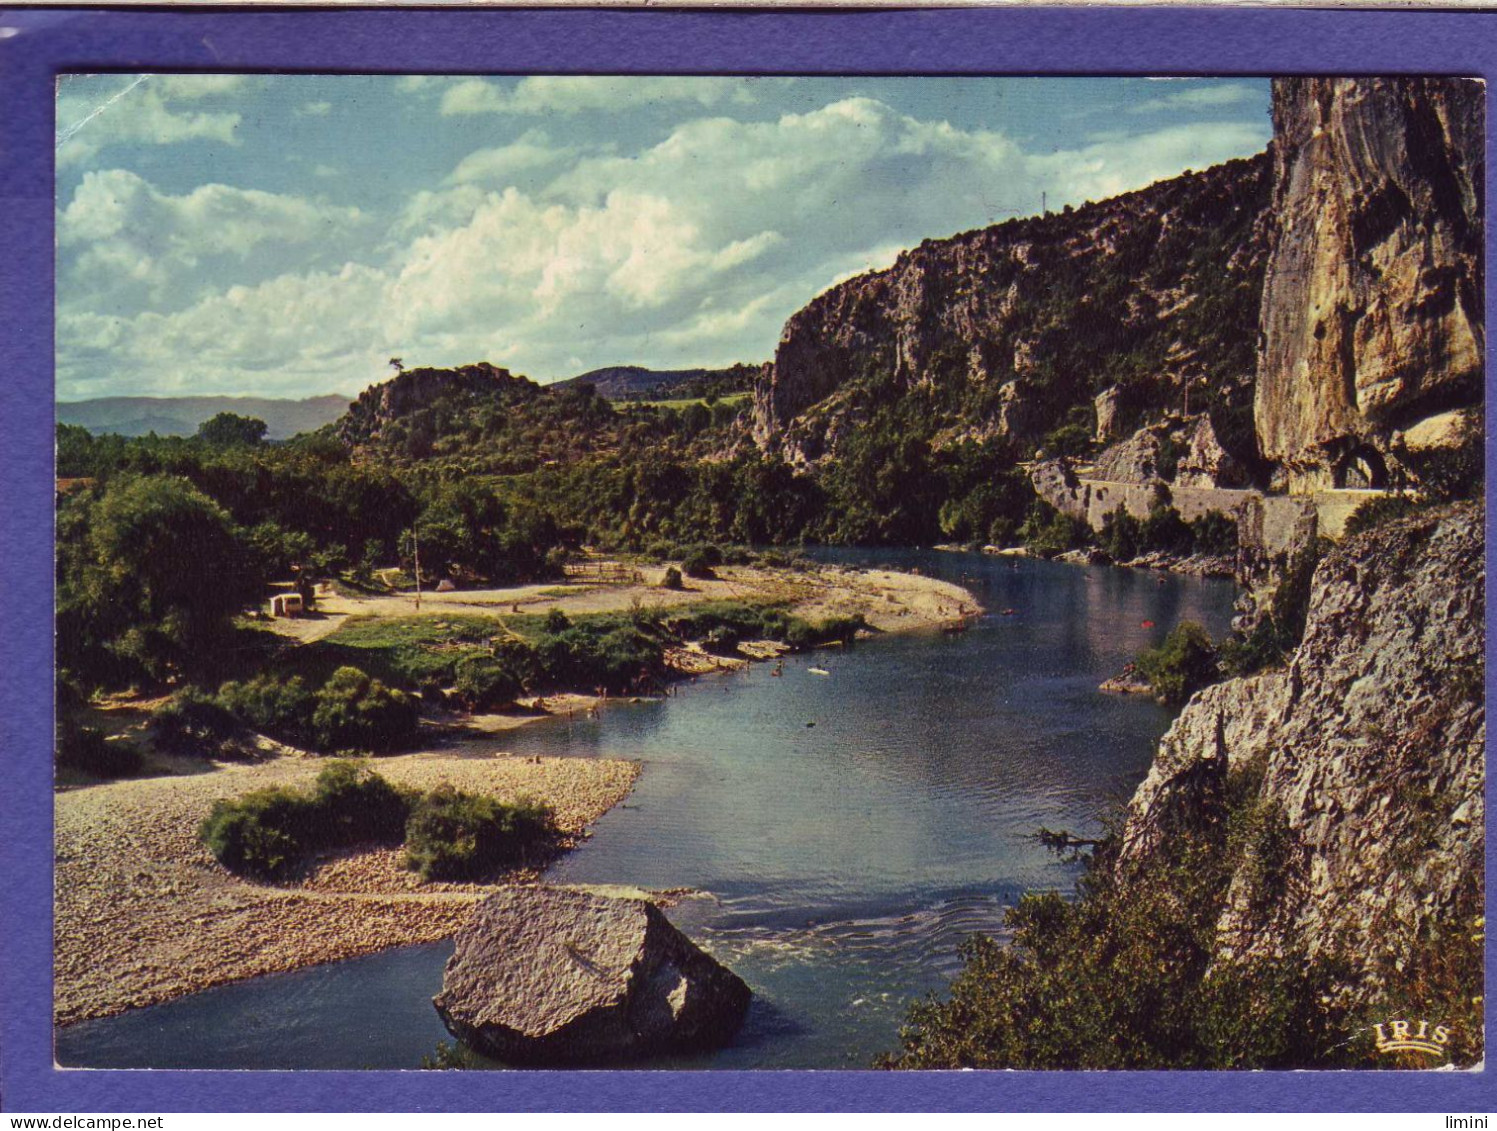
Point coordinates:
[[1105, 41]]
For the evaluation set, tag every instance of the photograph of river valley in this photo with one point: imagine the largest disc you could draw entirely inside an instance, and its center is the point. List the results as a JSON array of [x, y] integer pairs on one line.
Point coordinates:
[[719, 573]]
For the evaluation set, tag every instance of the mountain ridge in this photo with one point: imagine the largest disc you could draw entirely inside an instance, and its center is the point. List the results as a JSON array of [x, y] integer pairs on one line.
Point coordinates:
[[180, 416]]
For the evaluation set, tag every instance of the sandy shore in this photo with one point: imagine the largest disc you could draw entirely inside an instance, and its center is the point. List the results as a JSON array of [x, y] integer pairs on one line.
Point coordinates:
[[889, 600], [144, 913]]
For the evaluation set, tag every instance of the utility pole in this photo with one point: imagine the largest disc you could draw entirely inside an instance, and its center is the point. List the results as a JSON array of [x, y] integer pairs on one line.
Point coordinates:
[[416, 553], [1044, 205]]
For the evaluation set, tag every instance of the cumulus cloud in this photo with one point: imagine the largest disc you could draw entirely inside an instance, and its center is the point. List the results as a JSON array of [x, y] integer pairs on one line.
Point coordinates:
[[287, 335], [121, 228], [546, 255], [94, 112], [1120, 164]]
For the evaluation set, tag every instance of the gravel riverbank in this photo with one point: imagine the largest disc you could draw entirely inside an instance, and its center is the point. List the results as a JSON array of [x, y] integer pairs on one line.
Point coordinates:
[[145, 914]]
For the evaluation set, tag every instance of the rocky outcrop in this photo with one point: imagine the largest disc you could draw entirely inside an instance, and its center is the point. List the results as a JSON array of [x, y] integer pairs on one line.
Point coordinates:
[[1134, 460], [1017, 324], [414, 390], [549, 976], [1372, 305], [1206, 461], [1365, 756]]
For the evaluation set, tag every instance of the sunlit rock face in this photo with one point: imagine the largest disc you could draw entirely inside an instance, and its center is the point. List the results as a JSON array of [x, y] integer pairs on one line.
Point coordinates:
[[1368, 751], [1372, 303], [1005, 329]]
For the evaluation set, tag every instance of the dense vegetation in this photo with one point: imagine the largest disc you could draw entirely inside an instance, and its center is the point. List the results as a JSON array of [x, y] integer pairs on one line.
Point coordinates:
[[350, 711], [268, 834], [491, 478]]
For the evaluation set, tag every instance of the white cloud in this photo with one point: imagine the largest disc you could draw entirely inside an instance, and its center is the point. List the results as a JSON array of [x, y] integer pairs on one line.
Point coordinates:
[[548, 256], [530, 151], [314, 109], [411, 84], [1107, 168], [290, 334], [122, 228], [93, 114], [1200, 97], [575, 94]]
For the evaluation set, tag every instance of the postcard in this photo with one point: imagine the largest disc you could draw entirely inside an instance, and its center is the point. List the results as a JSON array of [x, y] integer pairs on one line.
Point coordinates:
[[650, 575]]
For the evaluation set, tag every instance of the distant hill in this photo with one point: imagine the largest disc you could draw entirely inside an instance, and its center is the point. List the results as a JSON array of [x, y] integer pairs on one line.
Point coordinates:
[[636, 383], [180, 416]]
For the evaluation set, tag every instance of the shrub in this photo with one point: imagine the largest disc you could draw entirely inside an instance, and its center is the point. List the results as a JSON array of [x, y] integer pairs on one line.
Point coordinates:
[[1182, 665], [556, 621], [1165, 530], [723, 640], [672, 579], [620, 658], [1072, 440], [1047, 532], [86, 750], [355, 804], [354, 711], [1278, 631], [485, 682], [458, 836], [1171, 450], [271, 705], [191, 722], [1121, 535], [697, 564], [262, 834], [1214, 533], [840, 629], [266, 834]]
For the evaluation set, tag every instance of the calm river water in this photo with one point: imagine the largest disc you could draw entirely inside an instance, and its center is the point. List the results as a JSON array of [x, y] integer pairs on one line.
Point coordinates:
[[843, 863]]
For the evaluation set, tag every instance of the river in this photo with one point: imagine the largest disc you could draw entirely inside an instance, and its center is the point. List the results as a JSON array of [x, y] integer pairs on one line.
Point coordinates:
[[848, 830]]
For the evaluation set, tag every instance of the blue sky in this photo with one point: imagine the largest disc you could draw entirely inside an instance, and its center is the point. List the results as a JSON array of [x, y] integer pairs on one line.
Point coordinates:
[[287, 235]]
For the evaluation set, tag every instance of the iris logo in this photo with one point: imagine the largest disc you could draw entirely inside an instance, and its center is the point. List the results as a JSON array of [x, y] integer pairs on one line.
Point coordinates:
[[1403, 1036]]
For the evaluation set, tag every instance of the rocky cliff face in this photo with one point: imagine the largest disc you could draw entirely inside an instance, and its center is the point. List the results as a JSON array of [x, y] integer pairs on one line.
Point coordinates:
[[1372, 305], [1364, 758], [1023, 326]]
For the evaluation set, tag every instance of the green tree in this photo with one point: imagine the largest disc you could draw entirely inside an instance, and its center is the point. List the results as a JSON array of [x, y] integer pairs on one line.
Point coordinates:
[[1182, 665], [150, 572], [229, 429]]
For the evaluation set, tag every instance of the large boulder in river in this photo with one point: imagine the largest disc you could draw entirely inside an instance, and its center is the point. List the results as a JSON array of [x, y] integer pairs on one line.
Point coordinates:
[[550, 976]]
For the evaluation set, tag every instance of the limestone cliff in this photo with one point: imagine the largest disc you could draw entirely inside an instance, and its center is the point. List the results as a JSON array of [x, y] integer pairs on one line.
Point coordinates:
[[1346, 790], [1365, 759], [1097, 316], [1372, 304]]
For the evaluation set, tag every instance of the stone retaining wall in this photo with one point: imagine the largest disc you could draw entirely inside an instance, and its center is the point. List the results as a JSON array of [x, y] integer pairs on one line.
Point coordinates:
[[1272, 524]]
